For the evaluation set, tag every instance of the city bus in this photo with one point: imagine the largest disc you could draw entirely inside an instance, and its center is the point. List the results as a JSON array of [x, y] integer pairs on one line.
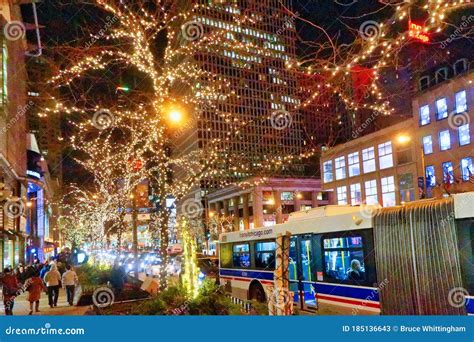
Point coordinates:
[[412, 259]]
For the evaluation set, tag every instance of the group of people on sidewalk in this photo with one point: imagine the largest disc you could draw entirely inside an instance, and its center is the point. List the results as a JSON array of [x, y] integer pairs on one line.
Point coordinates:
[[35, 279]]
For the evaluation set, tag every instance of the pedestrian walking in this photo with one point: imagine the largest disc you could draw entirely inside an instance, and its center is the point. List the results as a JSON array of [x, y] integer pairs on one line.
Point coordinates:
[[11, 287], [70, 281], [34, 287], [52, 278]]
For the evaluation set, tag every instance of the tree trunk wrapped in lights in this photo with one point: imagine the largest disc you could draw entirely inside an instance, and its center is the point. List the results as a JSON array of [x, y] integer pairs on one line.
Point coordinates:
[[190, 275]]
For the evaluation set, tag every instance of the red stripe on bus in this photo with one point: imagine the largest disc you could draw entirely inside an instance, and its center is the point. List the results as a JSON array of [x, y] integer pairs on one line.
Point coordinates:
[[351, 301]]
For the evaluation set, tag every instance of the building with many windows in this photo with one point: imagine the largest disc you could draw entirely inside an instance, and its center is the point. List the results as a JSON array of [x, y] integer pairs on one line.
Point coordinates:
[[13, 140], [268, 203], [444, 128], [380, 167], [429, 155], [260, 84]]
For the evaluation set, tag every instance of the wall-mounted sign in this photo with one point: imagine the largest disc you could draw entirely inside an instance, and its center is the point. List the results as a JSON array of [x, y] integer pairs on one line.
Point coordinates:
[[417, 32]]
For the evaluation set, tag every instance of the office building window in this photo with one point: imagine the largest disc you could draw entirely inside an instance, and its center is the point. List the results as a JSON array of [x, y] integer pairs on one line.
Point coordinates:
[[388, 191], [368, 159], [464, 135], [444, 140], [461, 102], [466, 169], [448, 173], [424, 115], [340, 165], [441, 109], [327, 170], [385, 155], [406, 186], [342, 195], [354, 165], [356, 194], [371, 196], [430, 176], [427, 144]]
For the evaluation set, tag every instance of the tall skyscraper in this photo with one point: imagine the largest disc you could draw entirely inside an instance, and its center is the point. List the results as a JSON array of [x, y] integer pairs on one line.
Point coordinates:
[[264, 91]]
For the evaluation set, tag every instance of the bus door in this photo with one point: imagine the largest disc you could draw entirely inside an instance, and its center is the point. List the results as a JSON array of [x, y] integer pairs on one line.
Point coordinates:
[[302, 269]]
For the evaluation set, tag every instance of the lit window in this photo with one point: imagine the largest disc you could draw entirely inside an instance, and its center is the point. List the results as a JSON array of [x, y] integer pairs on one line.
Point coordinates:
[[464, 135], [241, 256], [428, 144], [354, 165], [356, 194], [371, 192], [467, 169], [339, 253], [430, 176], [385, 155], [448, 173], [327, 169], [388, 191], [424, 115], [342, 195], [406, 186], [461, 102], [340, 165], [368, 159], [265, 255], [444, 140], [441, 109]]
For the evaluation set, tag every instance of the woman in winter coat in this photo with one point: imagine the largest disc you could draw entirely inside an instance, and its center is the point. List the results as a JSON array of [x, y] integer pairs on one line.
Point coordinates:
[[35, 286]]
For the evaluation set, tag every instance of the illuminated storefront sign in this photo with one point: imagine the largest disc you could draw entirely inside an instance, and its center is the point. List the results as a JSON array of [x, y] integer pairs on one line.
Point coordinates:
[[417, 32]]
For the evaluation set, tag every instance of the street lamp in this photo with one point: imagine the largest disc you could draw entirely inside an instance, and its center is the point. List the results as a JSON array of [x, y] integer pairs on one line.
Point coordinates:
[[175, 116], [403, 139]]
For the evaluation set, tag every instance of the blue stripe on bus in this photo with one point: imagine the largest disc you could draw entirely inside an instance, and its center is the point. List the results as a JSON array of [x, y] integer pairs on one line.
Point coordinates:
[[247, 274], [347, 291], [470, 305]]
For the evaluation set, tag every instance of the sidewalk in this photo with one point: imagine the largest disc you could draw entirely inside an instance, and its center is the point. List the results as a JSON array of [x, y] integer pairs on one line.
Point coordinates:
[[22, 306]]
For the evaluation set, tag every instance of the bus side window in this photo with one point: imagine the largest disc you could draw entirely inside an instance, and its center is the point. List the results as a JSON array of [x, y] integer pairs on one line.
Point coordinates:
[[225, 255], [344, 259], [241, 255], [265, 255]]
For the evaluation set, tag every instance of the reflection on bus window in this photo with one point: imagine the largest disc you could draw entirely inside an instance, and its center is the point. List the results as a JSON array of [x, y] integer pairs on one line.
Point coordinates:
[[306, 259], [292, 264], [241, 255], [344, 259], [265, 255], [226, 255]]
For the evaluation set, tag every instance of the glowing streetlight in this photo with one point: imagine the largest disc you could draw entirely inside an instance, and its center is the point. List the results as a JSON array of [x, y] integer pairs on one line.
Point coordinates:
[[403, 139], [175, 115], [211, 214]]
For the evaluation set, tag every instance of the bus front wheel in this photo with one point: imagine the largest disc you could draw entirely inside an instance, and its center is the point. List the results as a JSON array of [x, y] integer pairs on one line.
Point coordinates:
[[257, 293]]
